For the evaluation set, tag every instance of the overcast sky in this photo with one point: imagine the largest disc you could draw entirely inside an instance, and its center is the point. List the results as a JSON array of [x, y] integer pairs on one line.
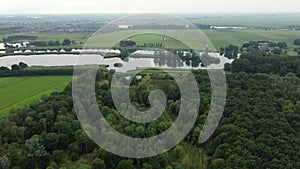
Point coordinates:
[[147, 6]]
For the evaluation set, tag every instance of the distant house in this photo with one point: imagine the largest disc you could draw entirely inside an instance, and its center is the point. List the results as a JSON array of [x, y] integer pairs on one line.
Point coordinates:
[[125, 26], [227, 27], [264, 47], [76, 42]]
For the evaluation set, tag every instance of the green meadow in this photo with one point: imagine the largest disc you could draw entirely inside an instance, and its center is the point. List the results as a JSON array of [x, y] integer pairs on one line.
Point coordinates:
[[176, 39], [17, 92], [221, 38], [279, 20], [218, 38]]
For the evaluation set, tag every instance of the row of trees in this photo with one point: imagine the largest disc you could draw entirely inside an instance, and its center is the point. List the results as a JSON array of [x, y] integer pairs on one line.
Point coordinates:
[[17, 38], [66, 42], [127, 43], [257, 44], [261, 62], [297, 42], [231, 51], [152, 45], [51, 43], [273, 48], [22, 69], [130, 43]]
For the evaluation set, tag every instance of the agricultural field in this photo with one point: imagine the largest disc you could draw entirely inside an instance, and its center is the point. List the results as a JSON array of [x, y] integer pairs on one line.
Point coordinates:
[[17, 92], [218, 38], [168, 43], [221, 38], [187, 37], [263, 21]]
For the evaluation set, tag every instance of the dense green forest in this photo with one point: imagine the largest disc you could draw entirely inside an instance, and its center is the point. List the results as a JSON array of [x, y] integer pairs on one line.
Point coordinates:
[[260, 127], [261, 62]]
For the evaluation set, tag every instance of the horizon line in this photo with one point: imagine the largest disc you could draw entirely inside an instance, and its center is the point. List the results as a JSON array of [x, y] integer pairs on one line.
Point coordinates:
[[121, 13]]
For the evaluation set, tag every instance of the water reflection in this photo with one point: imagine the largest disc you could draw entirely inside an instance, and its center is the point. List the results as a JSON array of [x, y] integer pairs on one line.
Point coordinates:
[[165, 61], [168, 59]]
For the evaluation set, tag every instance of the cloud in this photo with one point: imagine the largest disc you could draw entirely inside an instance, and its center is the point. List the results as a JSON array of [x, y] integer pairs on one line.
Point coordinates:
[[146, 6]]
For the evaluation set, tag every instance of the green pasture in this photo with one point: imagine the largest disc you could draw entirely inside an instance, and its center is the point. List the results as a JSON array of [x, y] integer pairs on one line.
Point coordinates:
[[249, 20], [176, 39], [17, 92], [196, 39], [221, 38]]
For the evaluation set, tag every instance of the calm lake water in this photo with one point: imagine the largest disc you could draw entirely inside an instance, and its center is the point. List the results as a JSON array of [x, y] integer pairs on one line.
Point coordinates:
[[129, 64]]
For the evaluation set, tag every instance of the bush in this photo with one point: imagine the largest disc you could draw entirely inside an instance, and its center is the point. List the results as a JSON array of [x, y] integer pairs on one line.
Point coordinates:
[[297, 42]]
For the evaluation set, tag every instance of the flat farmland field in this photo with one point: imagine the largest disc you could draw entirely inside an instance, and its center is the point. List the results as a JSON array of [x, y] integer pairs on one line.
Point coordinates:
[[221, 38], [17, 92], [176, 39], [218, 38], [168, 43]]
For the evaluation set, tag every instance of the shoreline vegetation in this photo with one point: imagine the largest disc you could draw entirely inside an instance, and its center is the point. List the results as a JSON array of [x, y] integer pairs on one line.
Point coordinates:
[[39, 53]]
